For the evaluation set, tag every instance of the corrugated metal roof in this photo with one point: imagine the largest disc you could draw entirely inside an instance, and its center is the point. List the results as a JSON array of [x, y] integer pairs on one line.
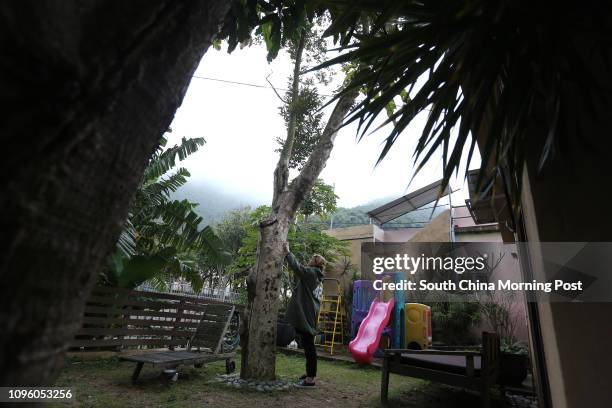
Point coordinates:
[[409, 202]]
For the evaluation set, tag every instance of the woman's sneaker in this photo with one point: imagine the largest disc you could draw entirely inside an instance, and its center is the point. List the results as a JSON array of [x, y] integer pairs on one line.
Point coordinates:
[[304, 384]]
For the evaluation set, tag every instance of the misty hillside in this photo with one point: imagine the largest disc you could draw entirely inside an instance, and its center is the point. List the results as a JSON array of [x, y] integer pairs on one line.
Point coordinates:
[[214, 203], [346, 217]]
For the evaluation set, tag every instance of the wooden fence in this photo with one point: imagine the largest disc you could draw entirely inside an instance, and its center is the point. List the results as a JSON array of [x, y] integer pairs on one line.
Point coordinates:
[[117, 318]]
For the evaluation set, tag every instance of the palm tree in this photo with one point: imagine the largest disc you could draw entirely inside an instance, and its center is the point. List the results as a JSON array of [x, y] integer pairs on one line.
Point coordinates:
[[492, 69]]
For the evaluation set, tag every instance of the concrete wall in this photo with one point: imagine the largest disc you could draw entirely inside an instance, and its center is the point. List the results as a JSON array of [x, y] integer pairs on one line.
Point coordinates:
[[508, 268], [355, 236], [438, 230], [399, 235], [477, 236]]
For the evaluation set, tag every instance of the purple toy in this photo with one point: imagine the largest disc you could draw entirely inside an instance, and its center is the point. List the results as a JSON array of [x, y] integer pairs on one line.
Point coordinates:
[[363, 296]]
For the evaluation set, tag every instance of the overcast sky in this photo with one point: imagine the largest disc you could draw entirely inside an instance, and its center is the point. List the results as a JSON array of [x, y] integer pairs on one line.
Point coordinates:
[[240, 124]]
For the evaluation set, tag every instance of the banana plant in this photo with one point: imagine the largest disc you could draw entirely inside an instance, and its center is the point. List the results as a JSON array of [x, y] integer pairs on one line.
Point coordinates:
[[163, 238]]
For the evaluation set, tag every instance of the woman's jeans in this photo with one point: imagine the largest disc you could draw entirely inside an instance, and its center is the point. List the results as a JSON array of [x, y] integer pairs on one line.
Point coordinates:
[[310, 352]]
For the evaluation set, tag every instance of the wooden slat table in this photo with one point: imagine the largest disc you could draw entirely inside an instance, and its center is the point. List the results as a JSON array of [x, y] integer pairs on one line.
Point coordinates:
[[176, 358], [467, 369]]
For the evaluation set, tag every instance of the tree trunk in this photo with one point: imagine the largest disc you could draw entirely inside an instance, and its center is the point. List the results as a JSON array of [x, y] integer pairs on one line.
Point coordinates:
[[258, 333], [259, 361], [88, 89]]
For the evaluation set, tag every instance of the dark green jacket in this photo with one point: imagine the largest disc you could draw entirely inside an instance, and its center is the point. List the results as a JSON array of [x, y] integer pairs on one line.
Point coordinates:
[[304, 305]]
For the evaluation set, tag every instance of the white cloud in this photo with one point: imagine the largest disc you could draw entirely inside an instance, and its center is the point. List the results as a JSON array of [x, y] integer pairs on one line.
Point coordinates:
[[240, 124]]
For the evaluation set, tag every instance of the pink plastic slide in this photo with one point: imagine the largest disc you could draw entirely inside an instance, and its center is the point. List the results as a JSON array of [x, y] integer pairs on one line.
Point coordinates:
[[366, 342]]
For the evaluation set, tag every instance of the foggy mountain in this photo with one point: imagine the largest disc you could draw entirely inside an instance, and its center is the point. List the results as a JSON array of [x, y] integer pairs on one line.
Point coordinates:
[[214, 202]]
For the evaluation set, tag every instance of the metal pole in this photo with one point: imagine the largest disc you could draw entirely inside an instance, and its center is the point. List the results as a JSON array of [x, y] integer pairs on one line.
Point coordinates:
[[450, 206]]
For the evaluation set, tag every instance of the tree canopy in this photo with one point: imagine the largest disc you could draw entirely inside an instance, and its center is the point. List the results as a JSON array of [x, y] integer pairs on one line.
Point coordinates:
[[492, 68]]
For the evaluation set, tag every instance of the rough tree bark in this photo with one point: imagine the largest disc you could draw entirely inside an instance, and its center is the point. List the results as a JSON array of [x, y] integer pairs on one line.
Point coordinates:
[[258, 333], [88, 88]]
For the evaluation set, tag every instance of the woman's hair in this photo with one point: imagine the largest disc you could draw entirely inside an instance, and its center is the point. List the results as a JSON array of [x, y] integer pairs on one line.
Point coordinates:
[[318, 261]]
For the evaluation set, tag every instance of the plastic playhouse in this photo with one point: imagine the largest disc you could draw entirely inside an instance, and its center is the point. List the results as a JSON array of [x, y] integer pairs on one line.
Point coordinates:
[[418, 326], [378, 314]]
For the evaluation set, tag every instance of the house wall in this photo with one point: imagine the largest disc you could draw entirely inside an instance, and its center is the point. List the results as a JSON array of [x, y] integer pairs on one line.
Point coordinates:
[[399, 235], [576, 337], [467, 231], [355, 236], [508, 268], [475, 236], [438, 230]]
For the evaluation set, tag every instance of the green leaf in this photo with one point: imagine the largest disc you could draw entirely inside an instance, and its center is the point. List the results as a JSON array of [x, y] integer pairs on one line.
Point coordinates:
[[140, 268], [161, 163]]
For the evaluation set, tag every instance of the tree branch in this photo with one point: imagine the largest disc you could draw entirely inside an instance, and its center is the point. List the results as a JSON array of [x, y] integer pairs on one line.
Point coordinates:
[[274, 89], [281, 173], [304, 182]]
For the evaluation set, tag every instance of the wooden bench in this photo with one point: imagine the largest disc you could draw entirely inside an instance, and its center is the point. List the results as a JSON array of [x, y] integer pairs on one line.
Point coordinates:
[[205, 346], [475, 370], [131, 323]]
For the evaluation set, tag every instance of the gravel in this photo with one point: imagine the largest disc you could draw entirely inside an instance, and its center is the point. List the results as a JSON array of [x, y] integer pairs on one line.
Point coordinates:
[[521, 401], [234, 381]]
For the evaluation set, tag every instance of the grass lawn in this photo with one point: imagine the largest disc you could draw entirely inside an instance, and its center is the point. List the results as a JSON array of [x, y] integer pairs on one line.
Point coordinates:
[[106, 383]]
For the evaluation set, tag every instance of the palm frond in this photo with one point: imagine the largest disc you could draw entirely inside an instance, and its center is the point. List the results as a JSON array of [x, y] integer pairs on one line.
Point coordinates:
[[126, 244], [211, 247], [160, 281], [162, 162], [478, 66], [158, 191], [188, 270], [180, 228]]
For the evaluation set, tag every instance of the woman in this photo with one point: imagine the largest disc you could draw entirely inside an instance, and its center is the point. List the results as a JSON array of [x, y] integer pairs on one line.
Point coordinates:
[[304, 307]]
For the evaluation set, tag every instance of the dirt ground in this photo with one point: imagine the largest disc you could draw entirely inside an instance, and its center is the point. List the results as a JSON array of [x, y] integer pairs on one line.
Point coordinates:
[[106, 383]]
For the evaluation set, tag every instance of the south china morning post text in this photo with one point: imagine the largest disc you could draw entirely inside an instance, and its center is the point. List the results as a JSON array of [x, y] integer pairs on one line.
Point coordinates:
[[460, 265]]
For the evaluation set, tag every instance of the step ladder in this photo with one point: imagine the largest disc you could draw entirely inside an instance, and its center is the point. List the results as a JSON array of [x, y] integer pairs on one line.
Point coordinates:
[[330, 321]]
